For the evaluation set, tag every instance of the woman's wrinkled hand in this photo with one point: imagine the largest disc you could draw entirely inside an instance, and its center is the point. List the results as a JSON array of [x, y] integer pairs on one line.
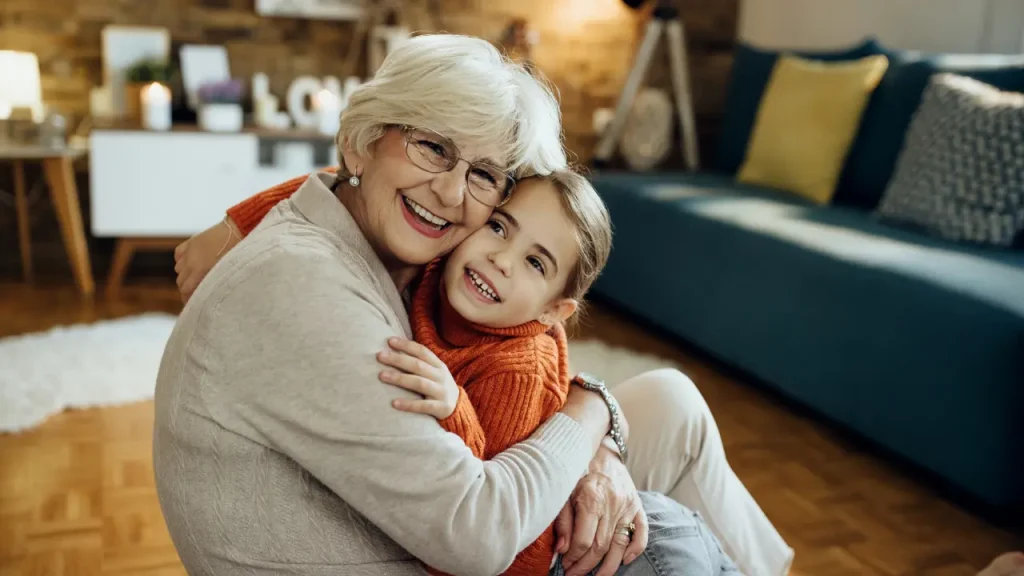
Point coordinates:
[[195, 257], [587, 529]]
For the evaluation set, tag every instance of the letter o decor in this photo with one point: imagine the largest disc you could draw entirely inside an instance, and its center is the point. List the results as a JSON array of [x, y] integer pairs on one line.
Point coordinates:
[[302, 91]]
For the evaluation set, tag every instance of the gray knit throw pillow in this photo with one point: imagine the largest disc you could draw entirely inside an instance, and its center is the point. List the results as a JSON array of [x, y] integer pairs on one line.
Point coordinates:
[[960, 174]]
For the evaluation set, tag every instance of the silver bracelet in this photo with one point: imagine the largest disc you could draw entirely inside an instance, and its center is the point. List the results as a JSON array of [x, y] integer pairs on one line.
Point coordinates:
[[595, 384]]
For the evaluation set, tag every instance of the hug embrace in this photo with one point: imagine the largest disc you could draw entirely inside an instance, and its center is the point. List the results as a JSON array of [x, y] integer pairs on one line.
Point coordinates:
[[371, 375]]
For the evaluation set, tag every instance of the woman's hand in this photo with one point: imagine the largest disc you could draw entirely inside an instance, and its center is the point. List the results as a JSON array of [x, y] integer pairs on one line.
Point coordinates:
[[195, 257], [419, 371], [604, 501]]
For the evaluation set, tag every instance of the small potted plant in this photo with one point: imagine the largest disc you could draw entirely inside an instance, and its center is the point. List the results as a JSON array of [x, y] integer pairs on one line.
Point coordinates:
[[220, 106], [136, 79]]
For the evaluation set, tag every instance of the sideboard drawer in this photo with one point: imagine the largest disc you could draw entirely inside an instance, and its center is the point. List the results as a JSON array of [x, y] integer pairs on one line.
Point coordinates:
[[167, 184]]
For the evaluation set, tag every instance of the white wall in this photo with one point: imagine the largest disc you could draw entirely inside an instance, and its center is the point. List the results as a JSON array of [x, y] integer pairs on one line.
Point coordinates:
[[966, 26]]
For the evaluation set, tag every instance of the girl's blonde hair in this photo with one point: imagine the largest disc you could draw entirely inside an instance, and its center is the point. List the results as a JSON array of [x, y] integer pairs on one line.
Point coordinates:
[[463, 88], [592, 227]]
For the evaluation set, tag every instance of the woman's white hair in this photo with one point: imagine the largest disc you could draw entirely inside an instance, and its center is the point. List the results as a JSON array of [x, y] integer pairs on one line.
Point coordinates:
[[463, 88]]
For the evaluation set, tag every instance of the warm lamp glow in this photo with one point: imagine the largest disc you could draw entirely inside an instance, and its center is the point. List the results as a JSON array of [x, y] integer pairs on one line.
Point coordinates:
[[575, 14], [20, 86]]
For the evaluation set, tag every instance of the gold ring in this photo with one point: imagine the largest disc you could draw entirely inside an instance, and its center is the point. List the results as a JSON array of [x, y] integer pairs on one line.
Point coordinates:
[[627, 530]]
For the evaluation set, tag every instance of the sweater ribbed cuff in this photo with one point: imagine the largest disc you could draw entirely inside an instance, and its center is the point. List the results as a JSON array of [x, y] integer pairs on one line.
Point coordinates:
[[464, 422]]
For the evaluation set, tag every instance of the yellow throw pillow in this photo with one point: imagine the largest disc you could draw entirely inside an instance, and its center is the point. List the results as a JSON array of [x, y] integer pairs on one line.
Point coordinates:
[[806, 123]]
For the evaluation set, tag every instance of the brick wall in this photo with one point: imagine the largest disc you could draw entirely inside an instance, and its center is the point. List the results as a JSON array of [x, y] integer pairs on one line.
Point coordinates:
[[585, 48]]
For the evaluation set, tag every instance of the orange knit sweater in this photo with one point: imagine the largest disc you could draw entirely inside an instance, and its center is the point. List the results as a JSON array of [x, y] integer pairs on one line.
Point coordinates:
[[511, 380]]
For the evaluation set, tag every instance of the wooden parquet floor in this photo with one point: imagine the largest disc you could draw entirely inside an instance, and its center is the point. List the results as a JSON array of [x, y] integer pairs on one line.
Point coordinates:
[[77, 494]]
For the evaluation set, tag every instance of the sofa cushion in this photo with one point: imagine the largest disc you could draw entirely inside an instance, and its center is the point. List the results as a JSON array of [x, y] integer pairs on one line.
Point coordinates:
[[911, 341], [806, 122], [961, 172], [751, 70], [875, 151]]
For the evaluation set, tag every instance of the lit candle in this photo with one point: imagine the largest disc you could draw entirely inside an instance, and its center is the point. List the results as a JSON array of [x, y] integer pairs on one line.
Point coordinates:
[[156, 107], [328, 110]]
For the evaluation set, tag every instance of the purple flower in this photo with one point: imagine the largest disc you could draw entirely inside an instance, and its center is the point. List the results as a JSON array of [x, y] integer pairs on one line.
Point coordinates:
[[223, 92]]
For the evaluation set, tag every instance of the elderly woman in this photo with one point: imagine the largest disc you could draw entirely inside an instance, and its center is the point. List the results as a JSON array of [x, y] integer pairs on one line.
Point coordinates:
[[276, 447]]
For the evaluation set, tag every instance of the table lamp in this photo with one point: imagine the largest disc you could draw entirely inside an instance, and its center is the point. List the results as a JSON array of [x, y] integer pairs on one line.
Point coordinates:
[[20, 87]]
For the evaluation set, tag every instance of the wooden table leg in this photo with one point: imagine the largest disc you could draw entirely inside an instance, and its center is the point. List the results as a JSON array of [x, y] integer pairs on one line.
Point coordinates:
[[124, 249], [24, 229], [61, 179]]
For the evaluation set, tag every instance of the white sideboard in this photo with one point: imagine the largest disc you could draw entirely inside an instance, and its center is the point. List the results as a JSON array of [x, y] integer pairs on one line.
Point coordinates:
[[150, 190], [174, 184]]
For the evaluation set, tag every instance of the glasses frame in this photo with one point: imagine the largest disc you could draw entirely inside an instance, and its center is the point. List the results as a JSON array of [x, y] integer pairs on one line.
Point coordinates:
[[509, 180]]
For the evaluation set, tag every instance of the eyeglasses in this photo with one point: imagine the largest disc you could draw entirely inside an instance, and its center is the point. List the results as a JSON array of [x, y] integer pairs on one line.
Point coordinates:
[[434, 153]]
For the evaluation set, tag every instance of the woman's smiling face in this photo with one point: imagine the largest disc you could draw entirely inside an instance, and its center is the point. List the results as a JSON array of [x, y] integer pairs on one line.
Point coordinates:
[[413, 216], [463, 89]]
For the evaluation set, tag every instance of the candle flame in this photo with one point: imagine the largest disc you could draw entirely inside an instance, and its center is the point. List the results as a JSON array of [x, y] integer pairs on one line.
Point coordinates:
[[157, 90]]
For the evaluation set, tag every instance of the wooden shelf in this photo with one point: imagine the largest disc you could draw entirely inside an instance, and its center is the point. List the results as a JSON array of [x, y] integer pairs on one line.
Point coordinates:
[[290, 135]]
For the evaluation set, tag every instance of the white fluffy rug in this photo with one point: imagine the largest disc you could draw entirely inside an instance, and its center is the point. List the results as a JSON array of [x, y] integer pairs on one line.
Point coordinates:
[[116, 362], [611, 364], [99, 364]]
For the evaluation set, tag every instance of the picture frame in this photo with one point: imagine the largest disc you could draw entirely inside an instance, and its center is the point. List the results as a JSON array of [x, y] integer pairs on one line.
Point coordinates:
[[312, 9], [126, 46], [202, 64]]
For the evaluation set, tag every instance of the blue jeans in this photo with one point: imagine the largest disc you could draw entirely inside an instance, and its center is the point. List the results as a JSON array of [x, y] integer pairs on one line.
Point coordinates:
[[680, 544]]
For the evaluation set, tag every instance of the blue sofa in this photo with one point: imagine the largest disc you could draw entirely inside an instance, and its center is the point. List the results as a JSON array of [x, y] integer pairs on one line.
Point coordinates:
[[912, 342]]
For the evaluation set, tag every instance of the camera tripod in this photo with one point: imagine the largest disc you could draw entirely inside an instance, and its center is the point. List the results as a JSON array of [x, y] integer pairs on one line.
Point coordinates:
[[664, 20]]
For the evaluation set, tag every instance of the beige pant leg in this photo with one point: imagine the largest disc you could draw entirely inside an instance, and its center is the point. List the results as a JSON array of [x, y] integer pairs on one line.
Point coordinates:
[[675, 448]]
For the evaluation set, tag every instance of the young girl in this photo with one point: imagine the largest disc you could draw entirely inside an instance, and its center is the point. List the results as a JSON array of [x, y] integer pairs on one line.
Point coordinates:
[[490, 357]]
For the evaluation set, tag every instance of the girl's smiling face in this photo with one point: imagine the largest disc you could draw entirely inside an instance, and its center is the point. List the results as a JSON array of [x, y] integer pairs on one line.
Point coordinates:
[[514, 270]]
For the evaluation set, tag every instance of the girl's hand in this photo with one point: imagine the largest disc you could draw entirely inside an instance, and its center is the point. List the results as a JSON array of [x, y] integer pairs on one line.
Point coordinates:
[[419, 371], [195, 257]]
